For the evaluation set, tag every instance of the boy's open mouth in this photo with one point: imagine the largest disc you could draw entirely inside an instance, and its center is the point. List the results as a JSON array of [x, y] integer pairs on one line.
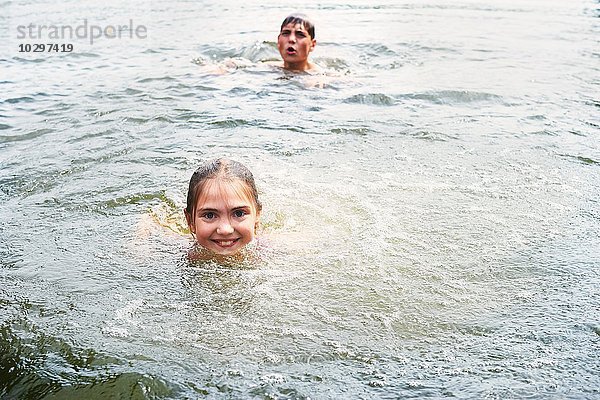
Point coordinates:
[[291, 51]]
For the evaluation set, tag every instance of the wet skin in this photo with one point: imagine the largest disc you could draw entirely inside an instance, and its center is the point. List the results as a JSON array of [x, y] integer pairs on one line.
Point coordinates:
[[224, 221], [295, 44]]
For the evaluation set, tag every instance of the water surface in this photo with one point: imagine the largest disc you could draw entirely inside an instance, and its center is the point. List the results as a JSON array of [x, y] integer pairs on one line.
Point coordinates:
[[432, 212]]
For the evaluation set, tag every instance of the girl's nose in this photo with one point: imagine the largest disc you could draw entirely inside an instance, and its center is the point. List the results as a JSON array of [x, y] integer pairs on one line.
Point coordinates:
[[225, 228]]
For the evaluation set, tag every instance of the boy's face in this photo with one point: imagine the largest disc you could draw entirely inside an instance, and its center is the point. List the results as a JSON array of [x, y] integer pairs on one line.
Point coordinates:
[[294, 44]]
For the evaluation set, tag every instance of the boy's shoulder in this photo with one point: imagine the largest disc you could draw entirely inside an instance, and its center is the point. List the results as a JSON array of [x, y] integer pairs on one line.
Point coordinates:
[[313, 69]]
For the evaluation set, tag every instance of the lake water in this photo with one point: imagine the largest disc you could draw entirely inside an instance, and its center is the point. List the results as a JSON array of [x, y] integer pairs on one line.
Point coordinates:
[[432, 212]]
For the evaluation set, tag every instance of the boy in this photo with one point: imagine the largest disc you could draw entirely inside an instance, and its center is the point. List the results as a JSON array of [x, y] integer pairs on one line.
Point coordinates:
[[295, 42]]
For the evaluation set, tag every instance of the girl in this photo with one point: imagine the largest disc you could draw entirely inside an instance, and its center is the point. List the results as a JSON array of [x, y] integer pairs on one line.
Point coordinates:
[[222, 209]]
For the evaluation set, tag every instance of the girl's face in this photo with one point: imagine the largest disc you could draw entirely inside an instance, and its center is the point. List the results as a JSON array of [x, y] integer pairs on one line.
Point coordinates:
[[225, 219]]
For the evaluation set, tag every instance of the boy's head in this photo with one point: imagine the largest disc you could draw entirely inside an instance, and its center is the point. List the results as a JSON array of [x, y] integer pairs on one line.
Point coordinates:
[[302, 20], [295, 42]]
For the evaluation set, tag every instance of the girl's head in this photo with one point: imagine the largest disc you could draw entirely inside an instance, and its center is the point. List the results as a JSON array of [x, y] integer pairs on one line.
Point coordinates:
[[222, 206]]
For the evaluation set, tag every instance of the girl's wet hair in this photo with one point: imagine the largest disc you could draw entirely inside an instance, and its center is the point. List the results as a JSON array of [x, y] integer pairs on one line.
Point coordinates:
[[300, 19], [220, 169]]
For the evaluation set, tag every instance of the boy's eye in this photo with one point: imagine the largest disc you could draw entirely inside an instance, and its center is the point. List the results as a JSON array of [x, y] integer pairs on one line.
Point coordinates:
[[301, 34]]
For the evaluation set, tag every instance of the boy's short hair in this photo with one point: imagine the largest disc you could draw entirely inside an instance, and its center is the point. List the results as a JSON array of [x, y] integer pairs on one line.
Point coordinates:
[[300, 19]]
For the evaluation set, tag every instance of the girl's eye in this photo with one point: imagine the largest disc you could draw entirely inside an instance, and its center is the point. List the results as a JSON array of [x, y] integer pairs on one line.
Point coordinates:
[[239, 213], [208, 215]]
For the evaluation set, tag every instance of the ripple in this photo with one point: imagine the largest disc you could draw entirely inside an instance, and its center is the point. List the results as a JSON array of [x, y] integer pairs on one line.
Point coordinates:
[[452, 97], [576, 132], [337, 64], [82, 55], [546, 132], [258, 51], [43, 180], [29, 60], [191, 116], [202, 88], [30, 135], [26, 351], [163, 78], [537, 117], [133, 92], [376, 49], [136, 198], [231, 123], [433, 136], [377, 99], [100, 113], [15, 100], [592, 124], [91, 135], [351, 131], [56, 109], [144, 120], [583, 160], [162, 118]]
